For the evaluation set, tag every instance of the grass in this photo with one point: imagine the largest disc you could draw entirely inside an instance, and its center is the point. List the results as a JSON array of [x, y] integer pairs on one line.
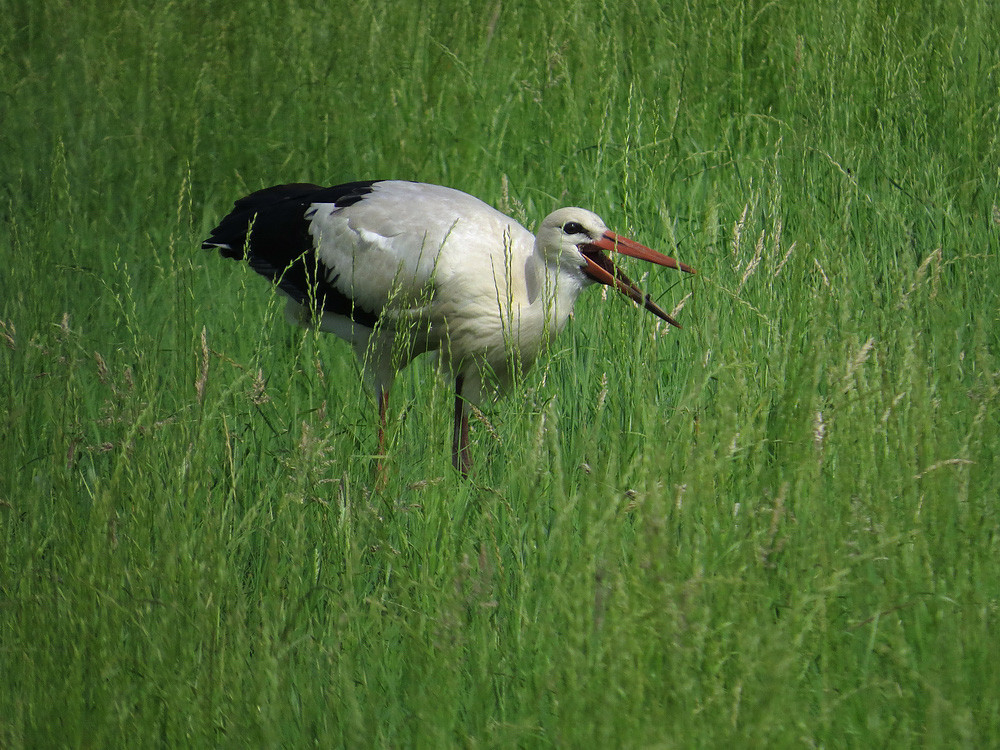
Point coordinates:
[[777, 527]]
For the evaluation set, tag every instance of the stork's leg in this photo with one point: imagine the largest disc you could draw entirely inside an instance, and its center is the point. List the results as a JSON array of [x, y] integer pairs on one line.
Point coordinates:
[[461, 459], [383, 412], [382, 396]]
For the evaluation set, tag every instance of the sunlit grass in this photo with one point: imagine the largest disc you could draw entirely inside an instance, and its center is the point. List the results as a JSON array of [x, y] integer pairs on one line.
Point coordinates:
[[777, 526]]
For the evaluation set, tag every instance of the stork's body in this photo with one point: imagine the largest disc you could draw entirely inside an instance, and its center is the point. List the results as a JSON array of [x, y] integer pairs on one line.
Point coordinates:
[[400, 268]]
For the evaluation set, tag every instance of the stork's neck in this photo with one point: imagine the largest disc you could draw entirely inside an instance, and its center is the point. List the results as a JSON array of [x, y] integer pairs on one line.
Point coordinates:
[[533, 307], [552, 292]]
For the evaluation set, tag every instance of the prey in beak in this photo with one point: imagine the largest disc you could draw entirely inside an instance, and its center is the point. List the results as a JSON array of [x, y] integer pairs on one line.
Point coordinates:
[[600, 268]]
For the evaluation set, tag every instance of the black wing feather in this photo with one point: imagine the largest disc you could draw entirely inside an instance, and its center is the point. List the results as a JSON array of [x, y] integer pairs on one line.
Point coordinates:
[[269, 230]]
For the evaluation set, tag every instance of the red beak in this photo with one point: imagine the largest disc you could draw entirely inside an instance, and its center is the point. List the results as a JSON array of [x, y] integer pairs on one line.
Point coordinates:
[[600, 268]]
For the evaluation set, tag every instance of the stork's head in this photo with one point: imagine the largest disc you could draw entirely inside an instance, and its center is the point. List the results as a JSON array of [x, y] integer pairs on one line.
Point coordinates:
[[576, 239]]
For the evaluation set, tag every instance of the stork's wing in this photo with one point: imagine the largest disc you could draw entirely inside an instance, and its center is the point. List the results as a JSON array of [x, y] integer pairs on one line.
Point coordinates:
[[269, 229], [353, 249], [404, 241]]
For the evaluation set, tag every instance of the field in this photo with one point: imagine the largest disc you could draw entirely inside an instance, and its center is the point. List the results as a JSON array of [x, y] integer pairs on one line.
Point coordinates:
[[777, 527]]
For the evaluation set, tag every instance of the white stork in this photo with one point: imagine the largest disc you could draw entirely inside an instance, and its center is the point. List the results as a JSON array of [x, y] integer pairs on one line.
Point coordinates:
[[401, 268]]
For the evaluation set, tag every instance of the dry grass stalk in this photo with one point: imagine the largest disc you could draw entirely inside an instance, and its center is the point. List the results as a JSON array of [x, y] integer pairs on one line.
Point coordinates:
[[935, 258], [772, 547], [826, 279], [855, 364], [7, 333], [202, 380], [819, 430], [754, 262], [942, 464], [738, 233], [784, 260]]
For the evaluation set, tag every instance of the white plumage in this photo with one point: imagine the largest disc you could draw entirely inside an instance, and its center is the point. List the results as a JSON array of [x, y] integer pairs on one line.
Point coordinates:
[[400, 268]]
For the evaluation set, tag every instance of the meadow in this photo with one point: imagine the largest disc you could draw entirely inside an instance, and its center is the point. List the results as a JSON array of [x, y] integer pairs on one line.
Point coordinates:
[[777, 527]]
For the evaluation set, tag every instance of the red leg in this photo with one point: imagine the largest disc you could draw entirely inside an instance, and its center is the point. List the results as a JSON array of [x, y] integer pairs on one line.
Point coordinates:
[[383, 409], [461, 458]]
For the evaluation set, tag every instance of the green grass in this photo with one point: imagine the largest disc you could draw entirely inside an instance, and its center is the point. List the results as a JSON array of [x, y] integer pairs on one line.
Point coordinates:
[[777, 527]]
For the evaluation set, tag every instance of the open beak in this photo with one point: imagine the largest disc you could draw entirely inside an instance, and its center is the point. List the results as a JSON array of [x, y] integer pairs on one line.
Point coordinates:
[[600, 268]]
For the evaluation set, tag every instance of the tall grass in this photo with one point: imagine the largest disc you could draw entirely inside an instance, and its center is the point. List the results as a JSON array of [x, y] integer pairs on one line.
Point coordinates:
[[778, 526]]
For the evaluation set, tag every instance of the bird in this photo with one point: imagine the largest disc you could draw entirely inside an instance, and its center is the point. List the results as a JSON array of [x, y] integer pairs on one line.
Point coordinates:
[[399, 268]]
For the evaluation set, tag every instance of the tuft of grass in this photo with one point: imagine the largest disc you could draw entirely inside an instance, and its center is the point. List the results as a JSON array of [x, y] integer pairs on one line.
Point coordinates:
[[776, 527]]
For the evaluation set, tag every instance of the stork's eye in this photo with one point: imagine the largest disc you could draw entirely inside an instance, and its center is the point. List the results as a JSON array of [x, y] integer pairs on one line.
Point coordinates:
[[573, 227]]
